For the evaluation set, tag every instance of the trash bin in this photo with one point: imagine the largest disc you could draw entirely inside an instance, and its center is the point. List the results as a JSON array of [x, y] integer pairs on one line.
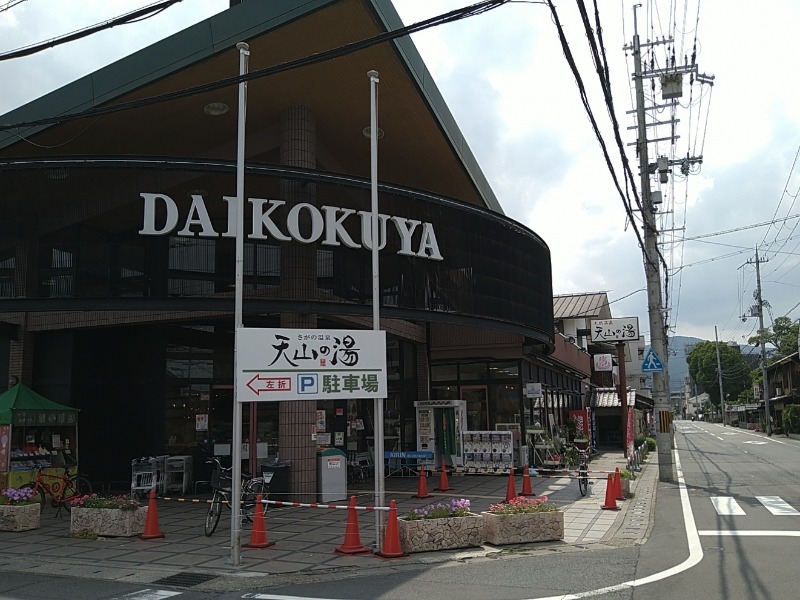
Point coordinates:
[[279, 485], [331, 475]]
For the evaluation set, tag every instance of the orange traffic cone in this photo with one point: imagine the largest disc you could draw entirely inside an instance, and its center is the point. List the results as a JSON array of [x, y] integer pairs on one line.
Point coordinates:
[[526, 483], [391, 539], [444, 485], [511, 488], [618, 485], [352, 538], [610, 503], [422, 485], [258, 536], [151, 530]]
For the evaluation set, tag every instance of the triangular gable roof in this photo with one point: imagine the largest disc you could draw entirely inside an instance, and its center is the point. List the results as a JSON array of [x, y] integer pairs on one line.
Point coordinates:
[[420, 129], [21, 397]]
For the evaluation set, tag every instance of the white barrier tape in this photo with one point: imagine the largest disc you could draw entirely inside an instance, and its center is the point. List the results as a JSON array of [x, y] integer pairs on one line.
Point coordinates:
[[316, 505]]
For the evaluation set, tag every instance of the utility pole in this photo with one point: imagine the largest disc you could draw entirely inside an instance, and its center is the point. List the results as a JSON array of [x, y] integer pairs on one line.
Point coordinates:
[[652, 270], [671, 78], [719, 376], [762, 339]]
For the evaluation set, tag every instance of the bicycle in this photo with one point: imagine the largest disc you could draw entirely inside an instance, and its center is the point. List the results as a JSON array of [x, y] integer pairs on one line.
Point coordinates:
[[583, 471], [221, 484], [60, 488]]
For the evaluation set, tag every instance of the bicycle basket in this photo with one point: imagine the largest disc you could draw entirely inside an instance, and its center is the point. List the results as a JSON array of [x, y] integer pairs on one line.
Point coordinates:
[[220, 480]]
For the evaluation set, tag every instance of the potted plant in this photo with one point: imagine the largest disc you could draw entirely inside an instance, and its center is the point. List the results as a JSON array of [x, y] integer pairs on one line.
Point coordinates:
[[107, 516], [625, 477], [18, 512], [440, 526], [523, 520]]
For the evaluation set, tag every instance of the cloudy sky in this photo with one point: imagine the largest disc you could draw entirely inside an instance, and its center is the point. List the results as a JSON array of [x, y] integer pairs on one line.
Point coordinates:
[[514, 97]]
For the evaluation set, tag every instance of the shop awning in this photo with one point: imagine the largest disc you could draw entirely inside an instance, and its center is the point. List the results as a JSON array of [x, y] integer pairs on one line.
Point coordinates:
[[20, 405]]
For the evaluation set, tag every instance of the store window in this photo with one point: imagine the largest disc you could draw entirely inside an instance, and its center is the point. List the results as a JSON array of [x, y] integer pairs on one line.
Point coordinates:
[[473, 372], [444, 373], [505, 399], [8, 263]]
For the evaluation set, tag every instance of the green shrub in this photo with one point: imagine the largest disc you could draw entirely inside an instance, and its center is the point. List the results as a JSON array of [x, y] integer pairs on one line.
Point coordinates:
[[651, 443], [791, 418]]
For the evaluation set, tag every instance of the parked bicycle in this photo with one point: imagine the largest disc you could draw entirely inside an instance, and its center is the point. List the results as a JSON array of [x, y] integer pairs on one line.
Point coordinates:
[[583, 471], [61, 488], [221, 483]]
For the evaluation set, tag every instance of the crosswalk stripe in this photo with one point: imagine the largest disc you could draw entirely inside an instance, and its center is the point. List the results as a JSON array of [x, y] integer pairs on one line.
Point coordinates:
[[776, 505], [725, 505]]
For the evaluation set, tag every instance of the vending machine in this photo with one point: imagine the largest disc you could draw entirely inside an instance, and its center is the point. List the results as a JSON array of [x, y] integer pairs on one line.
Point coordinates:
[[440, 425]]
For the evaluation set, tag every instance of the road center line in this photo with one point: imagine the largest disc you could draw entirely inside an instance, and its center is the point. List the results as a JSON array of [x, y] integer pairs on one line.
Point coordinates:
[[750, 533]]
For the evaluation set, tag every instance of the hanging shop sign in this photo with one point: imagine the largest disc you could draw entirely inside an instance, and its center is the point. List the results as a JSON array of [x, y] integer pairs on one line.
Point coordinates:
[[325, 224], [306, 364], [615, 330]]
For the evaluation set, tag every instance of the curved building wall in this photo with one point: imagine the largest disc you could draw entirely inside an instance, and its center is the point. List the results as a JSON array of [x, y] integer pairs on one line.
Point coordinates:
[[150, 235]]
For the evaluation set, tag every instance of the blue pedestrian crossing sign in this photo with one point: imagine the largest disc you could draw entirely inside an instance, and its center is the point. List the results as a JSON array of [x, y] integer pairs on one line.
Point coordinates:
[[651, 363]]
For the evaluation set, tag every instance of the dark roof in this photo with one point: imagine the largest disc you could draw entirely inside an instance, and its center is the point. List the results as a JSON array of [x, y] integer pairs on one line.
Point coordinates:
[[422, 147]]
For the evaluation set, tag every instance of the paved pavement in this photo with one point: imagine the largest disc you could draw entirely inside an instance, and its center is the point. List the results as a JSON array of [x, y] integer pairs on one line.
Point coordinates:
[[305, 538]]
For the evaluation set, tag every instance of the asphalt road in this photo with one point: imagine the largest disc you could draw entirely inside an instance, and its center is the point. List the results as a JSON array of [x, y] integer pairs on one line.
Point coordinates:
[[727, 532]]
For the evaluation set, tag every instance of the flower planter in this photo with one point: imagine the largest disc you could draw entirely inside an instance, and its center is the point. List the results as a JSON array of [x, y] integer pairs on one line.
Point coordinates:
[[14, 517], [625, 486], [425, 535], [523, 528], [108, 522]]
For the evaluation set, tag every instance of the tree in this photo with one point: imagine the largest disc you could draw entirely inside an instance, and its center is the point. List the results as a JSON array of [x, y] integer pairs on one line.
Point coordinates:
[[702, 361], [782, 335]]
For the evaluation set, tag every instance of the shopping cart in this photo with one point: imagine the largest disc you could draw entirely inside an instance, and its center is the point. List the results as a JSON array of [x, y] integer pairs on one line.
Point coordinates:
[[147, 473]]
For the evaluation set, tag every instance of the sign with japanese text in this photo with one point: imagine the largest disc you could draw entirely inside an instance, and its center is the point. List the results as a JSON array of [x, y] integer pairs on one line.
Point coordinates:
[[307, 364], [581, 422], [624, 329]]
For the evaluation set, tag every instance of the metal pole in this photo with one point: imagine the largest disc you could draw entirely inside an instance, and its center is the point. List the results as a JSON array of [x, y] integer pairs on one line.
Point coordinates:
[[380, 492], [236, 438], [761, 336], [719, 374], [653, 275]]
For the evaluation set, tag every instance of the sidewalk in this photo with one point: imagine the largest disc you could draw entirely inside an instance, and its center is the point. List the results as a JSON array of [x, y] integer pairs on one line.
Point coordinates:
[[305, 538]]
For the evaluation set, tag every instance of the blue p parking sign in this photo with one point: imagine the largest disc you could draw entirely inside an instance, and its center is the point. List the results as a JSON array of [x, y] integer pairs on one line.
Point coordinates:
[[308, 383]]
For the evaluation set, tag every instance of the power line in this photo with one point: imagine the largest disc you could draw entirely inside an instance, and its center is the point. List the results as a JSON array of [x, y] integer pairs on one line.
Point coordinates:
[[450, 17], [131, 17]]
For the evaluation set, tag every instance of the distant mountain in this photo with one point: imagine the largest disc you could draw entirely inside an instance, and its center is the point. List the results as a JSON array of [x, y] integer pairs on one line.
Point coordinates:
[[679, 348]]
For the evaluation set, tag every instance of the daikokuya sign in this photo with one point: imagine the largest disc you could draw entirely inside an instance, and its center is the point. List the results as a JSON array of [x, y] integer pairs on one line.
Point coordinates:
[[326, 224], [306, 364]]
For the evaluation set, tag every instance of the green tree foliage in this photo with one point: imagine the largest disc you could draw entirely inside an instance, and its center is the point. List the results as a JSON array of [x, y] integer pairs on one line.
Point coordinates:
[[791, 418], [782, 335], [702, 361]]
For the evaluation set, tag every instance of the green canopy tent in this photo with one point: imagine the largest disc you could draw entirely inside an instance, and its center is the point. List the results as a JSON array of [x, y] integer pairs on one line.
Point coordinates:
[[29, 420]]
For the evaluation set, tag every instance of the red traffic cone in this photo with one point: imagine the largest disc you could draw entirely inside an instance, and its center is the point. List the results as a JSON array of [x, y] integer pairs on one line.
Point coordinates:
[[258, 536], [610, 503], [391, 538], [444, 485], [422, 485], [618, 485], [352, 538], [511, 488], [526, 483], [151, 530]]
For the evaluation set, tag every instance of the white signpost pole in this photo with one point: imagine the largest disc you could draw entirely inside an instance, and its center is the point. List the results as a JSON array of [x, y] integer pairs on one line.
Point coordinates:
[[380, 499], [236, 437]]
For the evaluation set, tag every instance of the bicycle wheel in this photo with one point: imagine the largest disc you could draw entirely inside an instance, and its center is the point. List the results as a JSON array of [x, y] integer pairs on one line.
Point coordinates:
[[214, 509], [38, 494], [75, 487], [583, 480], [250, 493]]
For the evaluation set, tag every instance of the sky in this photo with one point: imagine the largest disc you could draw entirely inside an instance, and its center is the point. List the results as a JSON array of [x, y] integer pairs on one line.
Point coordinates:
[[504, 77]]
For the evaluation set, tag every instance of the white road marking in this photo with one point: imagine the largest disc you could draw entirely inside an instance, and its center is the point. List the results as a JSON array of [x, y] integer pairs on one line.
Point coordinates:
[[755, 442], [749, 533], [725, 505], [148, 594], [759, 435], [777, 505], [719, 438]]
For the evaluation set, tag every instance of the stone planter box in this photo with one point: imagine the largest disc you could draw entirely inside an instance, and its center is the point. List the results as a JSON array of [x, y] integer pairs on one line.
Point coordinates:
[[20, 518], [523, 528], [625, 485], [425, 535], [108, 522]]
